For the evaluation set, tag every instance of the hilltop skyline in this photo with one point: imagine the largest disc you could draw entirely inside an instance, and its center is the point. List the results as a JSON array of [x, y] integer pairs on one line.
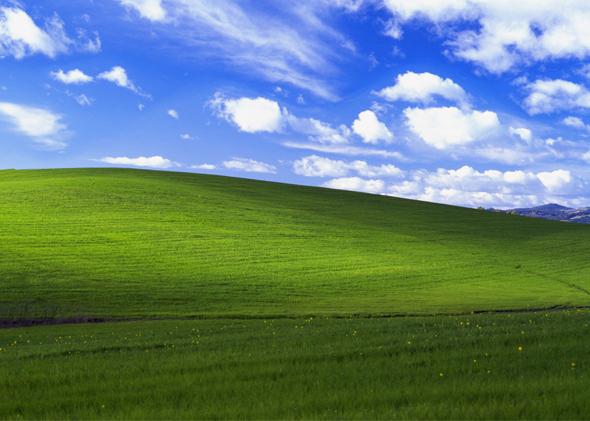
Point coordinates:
[[466, 102]]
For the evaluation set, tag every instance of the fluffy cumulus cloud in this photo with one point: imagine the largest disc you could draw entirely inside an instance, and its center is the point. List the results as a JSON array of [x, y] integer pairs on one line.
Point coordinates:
[[149, 9], [256, 115], [424, 88], [251, 115], [249, 165], [555, 180], [550, 95], [521, 132], [317, 166], [173, 113], [42, 126], [370, 129], [444, 127], [118, 76], [141, 161], [507, 33], [20, 36], [464, 186], [72, 77]]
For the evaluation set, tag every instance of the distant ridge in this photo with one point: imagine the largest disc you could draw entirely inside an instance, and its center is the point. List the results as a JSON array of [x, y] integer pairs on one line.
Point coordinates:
[[553, 212]]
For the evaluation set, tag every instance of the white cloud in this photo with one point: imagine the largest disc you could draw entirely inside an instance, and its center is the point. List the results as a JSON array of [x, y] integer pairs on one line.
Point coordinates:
[[148, 9], [173, 114], [249, 165], [547, 96], [255, 115], [142, 161], [42, 126], [317, 166], [118, 76], [89, 45], [186, 136], [522, 132], [555, 180], [436, 10], [72, 77], [20, 36], [205, 166], [83, 100], [510, 154], [317, 130], [291, 43], [466, 186], [251, 115], [444, 127], [423, 87], [345, 150], [502, 34], [370, 129], [572, 121], [393, 30], [356, 184]]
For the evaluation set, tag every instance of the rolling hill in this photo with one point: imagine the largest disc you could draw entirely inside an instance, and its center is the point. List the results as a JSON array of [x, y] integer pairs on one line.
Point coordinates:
[[119, 243], [259, 300]]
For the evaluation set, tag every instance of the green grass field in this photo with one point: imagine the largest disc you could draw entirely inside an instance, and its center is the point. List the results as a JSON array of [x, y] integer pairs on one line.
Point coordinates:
[[252, 299], [470, 367], [128, 243]]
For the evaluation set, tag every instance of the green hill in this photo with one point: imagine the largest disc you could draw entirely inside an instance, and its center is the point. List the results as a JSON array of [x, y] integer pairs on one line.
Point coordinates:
[[258, 261], [129, 243]]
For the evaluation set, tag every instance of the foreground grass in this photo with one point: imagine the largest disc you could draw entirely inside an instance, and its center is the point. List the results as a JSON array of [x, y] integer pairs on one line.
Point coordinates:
[[483, 366], [128, 243]]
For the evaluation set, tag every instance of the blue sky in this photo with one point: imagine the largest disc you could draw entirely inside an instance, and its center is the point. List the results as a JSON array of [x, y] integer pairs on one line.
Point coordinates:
[[467, 102]]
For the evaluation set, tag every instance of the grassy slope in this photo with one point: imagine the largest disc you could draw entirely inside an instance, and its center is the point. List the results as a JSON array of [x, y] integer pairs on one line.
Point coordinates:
[[114, 242], [500, 366], [138, 243]]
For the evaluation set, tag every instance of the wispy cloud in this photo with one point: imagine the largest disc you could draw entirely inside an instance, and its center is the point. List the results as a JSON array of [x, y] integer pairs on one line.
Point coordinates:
[[20, 36], [249, 165], [347, 150], [40, 125], [149, 9], [118, 76], [205, 166], [319, 166], [291, 43], [502, 35], [141, 161]]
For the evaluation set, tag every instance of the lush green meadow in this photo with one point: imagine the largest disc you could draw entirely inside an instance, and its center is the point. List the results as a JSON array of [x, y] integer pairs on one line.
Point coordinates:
[[249, 299], [128, 243], [486, 366]]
